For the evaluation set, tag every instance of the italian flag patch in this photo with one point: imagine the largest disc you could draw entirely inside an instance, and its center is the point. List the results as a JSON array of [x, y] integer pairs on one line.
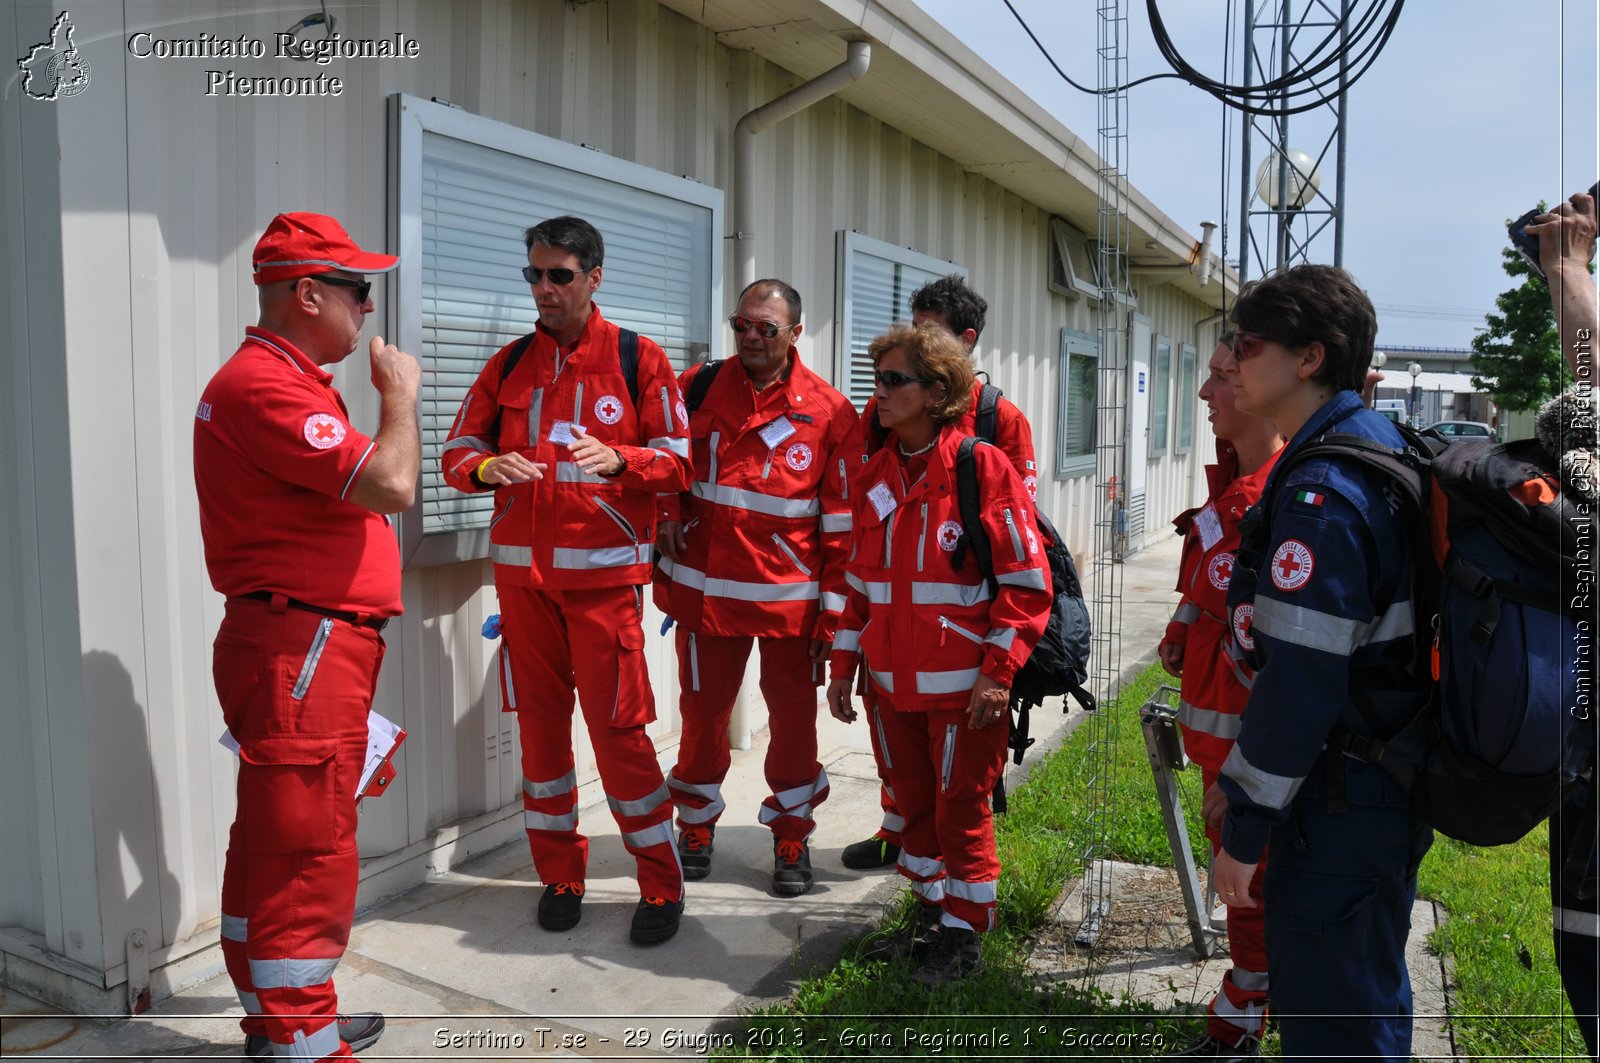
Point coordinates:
[[1309, 498]]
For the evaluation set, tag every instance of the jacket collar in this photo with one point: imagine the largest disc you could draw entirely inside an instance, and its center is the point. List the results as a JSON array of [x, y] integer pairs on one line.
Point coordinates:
[[288, 352]]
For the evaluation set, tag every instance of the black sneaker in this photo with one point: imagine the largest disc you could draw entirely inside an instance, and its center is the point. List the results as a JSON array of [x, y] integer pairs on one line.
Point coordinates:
[[1209, 1047], [561, 905], [912, 939], [791, 867], [871, 854], [954, 954], [694, 850], [655, 920], [359, 1031]]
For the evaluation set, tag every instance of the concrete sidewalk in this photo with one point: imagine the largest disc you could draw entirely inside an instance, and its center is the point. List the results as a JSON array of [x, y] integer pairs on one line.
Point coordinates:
[[462, 972]]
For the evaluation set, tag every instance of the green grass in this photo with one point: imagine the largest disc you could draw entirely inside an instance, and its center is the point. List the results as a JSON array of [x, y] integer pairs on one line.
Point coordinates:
[[1498, 901]]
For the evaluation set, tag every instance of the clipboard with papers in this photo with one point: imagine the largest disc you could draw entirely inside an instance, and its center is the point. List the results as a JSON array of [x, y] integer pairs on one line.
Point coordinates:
[[377, 769]]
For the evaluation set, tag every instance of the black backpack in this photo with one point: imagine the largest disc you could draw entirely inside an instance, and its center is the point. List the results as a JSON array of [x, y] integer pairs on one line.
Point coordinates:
[[1504, 601], [1059, 663], [627, 354]]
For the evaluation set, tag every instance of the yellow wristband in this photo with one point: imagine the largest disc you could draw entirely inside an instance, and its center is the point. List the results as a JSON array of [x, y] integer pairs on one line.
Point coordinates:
[[482, 465]]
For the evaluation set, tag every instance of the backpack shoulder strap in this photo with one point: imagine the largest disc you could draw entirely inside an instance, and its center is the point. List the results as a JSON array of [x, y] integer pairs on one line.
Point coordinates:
[[971, 507], [628, 355], [701, 384], [988, 411], [518, 349]]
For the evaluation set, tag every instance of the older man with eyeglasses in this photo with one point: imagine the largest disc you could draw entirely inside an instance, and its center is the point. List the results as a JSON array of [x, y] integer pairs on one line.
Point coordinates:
[[754, 553], [575, 428]]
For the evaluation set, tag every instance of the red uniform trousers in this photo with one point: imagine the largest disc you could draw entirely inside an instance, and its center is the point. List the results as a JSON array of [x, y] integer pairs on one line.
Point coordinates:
[[557, 643], [943, 773], [1240, 1006], [295, 690], [893, 821], [710, 670]]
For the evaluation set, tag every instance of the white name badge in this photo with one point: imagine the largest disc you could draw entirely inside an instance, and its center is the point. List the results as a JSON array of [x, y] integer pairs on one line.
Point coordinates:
[[882, 499], [1209, 527], [561, 432], [776, 432]]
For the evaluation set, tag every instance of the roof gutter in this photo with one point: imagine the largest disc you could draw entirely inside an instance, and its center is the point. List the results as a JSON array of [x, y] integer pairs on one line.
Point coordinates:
[[769, 114]]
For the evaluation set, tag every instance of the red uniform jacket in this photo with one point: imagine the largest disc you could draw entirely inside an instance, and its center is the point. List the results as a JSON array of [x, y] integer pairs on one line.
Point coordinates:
[[926, 628], [572, 529], [767, 520], [1012, 434], [1216, 684]]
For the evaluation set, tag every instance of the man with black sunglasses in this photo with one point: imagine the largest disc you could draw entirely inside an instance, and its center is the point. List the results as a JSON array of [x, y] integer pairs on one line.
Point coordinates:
[[756, 551], [293, 500], [575, 444]]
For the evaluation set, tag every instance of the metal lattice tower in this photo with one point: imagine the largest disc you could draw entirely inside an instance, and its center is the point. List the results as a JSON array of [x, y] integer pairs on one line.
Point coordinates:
[[1277, 40], [1111, 405]]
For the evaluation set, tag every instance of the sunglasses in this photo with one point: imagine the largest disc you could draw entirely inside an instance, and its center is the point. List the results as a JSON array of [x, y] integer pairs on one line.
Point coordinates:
[[765, 329], [1247, 345], [560, 276], [361, 288], [888, 378]]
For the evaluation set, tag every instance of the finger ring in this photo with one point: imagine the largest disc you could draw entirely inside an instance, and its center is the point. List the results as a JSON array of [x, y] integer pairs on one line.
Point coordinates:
[[1229, 893]]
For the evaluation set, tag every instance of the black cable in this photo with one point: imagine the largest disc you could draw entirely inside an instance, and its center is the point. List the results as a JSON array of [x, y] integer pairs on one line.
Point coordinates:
[[1064, 75]]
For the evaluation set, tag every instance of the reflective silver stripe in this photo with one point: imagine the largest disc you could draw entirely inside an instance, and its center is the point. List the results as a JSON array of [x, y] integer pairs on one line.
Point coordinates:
[[888, 761], [831, 602], [694, 663], [756, 502], [319, 1044], [789, 551], [847, 641], [1002, 637], [545, 821], [946, 624], [796, 794], [235, 927], [928, 593], [291, 974], [1247, 1018], [249, 1001], [671, 444], [640, 806], [351, 479], [711, 475], [894, 821], [666, 410], [741, 590], [1584, 924], [921, 866], [930, 892], [837, 522], [888, 541], [885, 681], [535, 411], [577, 400], [505, 665], [1310, 628], [1032, 578], [660, 834], [475, 442], [1249, 981], [922, 537], [693, 816], [1016, 536], [711, 792], [313, 655], [469, 458], [568, 472], [551, 787], [521, 556], [1209, 721], [1186, 613], [1395, 623], [878, 593], [953, 682], [622, 522], [976, 892], [1263, 788], [949, 753], [768, 815], [1244, 678], [610, 557]]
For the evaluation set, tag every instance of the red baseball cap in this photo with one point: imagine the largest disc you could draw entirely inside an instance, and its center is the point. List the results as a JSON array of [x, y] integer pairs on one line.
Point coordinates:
[[302, 245]]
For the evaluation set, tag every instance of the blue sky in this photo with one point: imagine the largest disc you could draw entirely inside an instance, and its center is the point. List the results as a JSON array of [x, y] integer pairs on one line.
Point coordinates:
[[1475, 111]]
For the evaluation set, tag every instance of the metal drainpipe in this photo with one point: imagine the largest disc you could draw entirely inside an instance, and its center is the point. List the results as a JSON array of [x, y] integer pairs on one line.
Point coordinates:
[[769, 114]]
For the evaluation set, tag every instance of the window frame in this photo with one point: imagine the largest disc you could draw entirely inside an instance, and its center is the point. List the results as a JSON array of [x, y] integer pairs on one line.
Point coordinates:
[[1076, 344], [848, 243], [1160, 383], [1187, 398], [410, 120]]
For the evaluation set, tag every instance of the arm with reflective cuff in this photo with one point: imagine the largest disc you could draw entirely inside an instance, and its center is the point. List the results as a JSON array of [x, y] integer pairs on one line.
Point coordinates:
[[836, 520], [473, 434], [1020, 609], [660, 462]]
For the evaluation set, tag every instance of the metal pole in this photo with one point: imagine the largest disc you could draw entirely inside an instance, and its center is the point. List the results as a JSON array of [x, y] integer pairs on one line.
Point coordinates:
[[1247, 126], [1283, 208]]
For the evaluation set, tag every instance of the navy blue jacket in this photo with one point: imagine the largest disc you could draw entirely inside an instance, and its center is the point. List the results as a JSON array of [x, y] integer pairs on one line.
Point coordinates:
[[1321, 610]]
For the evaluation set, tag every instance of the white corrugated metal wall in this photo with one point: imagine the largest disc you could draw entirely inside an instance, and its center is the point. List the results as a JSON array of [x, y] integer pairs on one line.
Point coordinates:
[[157, 291]]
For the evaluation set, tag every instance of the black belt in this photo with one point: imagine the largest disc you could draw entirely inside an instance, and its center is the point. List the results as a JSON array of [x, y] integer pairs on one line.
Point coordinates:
[[376, 623]]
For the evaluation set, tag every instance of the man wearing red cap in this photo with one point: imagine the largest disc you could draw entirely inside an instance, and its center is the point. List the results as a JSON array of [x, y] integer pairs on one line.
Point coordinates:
[[597, 408], [292, 504]]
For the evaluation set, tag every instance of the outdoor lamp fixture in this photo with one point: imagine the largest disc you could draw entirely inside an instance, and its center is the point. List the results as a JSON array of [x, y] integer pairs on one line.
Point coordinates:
[[1415, 369], [1303, 180], [304, 51]]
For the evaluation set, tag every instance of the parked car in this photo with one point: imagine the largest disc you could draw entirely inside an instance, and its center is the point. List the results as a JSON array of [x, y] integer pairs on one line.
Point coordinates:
[[1466, 429]]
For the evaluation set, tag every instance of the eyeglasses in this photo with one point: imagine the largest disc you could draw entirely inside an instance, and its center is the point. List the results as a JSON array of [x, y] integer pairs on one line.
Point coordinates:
[[888, 378], [361, 288], [560, 276], [1247, 345], [765, 329]]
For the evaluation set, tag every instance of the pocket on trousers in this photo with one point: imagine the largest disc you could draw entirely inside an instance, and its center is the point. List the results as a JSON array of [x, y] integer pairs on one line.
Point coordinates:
[[289, 793], [1318, 904], [636, 702]]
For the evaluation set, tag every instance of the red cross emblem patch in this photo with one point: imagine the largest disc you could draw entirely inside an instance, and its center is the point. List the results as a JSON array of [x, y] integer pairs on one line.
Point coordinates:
[[949, 535], [1291, 565], [608, 408], [1220, 571], [324, 430], [1243, 634], [798, 457]]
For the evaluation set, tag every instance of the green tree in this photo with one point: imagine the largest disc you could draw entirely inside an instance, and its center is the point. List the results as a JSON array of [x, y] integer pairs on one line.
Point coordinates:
[[1518, 357]]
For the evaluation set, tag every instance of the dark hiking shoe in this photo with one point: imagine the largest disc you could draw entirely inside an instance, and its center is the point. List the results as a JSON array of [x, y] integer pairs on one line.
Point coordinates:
[[871, 854], [655, 920], [954, 954], [359, 1031], [791, 867], [561, 905], [694, 851], [911, 939]]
